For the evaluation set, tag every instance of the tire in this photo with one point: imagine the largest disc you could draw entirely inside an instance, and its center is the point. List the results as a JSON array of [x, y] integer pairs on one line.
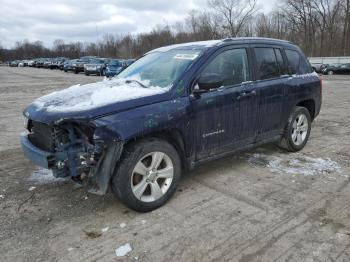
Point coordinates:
[[87, 74], [126, 181], [293, 141], [330, 72], [75, 72]]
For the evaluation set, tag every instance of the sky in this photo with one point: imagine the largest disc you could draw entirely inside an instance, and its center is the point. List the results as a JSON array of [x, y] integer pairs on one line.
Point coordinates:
[[89, 20]]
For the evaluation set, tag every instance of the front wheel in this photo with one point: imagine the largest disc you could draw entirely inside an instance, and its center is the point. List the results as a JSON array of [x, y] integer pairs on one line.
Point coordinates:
[[297, 131], [147, 175], [330, 72]]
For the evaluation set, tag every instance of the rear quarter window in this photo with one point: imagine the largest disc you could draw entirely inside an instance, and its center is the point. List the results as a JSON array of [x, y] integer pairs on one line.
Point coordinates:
[[297, 64]]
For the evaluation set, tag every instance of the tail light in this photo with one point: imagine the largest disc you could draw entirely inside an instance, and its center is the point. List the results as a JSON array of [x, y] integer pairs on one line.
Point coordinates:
[[320, 77]]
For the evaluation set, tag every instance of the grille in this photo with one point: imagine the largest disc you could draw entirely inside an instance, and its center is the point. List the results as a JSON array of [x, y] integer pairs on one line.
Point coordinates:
[[42, 136]]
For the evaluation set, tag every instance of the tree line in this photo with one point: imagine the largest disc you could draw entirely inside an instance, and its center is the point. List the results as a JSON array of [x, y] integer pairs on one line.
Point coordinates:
[[319, 27]]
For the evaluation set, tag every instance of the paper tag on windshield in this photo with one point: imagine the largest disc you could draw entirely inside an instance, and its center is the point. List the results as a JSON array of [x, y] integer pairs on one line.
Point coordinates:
[[186, 56]]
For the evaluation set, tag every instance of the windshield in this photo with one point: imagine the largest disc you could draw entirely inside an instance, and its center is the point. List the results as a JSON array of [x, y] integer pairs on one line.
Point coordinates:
[[114, 63], [160, 68], [96, 61]]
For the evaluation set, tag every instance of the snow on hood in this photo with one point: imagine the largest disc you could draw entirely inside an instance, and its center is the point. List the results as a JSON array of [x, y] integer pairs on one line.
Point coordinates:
[[83, 97]]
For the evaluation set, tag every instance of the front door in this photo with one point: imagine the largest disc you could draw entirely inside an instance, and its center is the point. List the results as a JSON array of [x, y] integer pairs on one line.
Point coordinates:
[[227, 116]]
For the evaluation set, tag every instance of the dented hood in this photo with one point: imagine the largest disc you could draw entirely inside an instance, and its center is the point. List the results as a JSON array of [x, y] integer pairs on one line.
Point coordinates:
[[94, 100]]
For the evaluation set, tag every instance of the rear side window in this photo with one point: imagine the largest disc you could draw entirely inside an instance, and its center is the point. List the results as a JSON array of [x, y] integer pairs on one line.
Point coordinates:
[[280, 61], [267, 65], [232, 65], [296, 63]]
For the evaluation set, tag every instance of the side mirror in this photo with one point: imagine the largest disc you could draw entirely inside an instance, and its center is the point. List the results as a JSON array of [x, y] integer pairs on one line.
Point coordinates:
[[207, 82]]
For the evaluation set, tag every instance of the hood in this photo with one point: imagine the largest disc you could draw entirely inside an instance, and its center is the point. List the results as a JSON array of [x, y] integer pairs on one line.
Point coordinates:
[[113, 67], [94, 100]]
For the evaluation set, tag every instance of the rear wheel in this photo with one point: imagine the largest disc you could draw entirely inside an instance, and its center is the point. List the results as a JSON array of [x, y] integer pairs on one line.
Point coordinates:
[[147, 175], [330, 72], [297, 131]]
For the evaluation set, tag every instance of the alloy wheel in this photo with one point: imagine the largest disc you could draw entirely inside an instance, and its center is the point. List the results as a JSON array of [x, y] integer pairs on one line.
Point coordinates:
[[300, 129], [152, 176]]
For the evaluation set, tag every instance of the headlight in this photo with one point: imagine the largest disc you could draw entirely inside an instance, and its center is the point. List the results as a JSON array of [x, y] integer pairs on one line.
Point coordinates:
[[25, 122]]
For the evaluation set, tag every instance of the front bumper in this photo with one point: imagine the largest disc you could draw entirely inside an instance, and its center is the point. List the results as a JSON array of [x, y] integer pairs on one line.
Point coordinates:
[[78, 69], [110, 73], [35, 154], [95, 71]]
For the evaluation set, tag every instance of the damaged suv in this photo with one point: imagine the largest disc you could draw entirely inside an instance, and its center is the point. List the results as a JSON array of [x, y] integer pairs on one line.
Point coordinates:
[[172, 109]]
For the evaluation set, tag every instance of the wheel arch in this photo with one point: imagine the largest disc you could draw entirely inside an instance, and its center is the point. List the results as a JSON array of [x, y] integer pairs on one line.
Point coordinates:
[[309, 104], [172, 136]]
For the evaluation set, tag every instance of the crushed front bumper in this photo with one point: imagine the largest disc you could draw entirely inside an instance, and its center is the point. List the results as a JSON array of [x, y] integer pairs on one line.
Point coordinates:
[[36, 155]]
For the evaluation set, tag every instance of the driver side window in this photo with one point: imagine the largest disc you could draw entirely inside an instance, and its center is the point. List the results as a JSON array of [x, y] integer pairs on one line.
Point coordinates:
[[231, 66]]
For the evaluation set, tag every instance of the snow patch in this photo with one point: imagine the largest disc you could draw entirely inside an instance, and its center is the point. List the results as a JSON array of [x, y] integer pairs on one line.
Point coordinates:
[[123, 250], [83, 97], [204, 44], [122, 225], [32, 188], [105, 229], [295, 164], [43, 176]]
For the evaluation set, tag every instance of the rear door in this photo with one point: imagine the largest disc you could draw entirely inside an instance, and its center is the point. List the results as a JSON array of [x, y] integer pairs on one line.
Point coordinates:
[[271, 77]]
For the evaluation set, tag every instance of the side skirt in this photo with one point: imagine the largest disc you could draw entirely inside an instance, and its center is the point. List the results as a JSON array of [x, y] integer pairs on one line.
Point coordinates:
[[192, 164]]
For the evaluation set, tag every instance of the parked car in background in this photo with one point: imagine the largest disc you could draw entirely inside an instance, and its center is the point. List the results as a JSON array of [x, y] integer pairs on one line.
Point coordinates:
[[31, 63], [47, 63], [96, 66], [78, 66], [23, 63], [14, 63], [39, 63], [318, 67], [174, 108], [342, 69], [68, 65], [60, 64], [129, 62], [55, 63], [114, 67]]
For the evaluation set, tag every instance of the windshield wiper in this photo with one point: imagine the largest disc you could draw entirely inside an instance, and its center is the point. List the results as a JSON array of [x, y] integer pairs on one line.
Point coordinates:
[[135, 81]]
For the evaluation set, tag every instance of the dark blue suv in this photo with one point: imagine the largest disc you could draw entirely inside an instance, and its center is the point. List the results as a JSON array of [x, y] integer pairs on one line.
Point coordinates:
[[173, 108]]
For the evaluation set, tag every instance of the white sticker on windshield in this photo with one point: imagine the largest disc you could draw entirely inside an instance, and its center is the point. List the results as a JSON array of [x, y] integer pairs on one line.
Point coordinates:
[[186, 56]]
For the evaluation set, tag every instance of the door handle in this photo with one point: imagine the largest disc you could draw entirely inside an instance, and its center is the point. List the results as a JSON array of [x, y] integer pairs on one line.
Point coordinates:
[[246, 94]]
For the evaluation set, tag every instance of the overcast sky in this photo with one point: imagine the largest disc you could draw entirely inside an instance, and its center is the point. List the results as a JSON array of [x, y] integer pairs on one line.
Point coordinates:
[[88, 20]]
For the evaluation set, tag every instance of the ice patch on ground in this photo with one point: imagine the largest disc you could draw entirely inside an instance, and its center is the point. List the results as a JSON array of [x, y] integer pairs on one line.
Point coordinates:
[[83, 97], [123, 250], [43, 176], [295, 164]]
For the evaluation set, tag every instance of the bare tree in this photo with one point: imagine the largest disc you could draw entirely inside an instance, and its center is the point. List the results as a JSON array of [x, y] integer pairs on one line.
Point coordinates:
[[234, 13]]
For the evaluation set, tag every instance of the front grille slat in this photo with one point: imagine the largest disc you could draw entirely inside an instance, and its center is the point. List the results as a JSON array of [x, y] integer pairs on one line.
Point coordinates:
[[41, 135]]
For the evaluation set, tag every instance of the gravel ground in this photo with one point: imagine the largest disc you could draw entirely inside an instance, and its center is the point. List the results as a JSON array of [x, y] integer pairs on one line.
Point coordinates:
[[259, 205]]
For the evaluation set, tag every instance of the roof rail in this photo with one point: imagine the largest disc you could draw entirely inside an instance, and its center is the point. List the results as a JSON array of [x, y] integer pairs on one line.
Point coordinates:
[[229, 39]]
